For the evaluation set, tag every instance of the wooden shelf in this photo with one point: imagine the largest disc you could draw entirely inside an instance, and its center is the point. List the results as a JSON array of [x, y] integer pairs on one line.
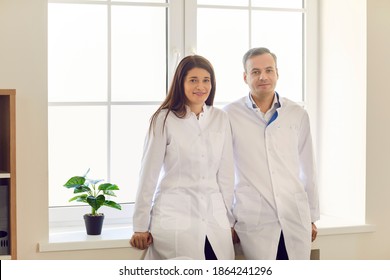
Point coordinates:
[[8, 161]]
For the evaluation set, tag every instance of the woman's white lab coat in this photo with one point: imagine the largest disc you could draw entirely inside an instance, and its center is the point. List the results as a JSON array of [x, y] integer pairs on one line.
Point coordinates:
[[275, 185], [194, 195]]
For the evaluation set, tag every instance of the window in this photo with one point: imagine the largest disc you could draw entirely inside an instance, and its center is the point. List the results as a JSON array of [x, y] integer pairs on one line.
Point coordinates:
[[110, 64], [107, 65], [227, 29]]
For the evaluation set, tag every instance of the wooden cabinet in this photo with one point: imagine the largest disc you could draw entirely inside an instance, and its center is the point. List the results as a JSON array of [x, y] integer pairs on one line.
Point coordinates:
[[7, 174]]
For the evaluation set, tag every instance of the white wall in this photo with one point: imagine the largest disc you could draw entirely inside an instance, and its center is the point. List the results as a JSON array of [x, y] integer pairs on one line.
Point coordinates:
[[23, 65], [378, 128]]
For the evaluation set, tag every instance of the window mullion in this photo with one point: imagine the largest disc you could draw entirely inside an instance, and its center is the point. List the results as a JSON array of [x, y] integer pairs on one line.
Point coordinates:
[[109, 99], [190, 27], [175, 35]]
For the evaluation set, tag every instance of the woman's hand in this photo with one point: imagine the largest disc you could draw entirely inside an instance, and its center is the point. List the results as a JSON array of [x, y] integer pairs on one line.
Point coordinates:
[[141, 240], [235, 237]]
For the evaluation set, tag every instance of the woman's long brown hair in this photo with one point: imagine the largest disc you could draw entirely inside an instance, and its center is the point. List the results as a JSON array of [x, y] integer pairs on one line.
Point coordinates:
[[175, 100]]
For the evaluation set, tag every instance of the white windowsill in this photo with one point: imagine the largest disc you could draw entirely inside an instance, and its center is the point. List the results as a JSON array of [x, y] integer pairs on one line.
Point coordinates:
[[76, 238], [329, 225], [117, 236]]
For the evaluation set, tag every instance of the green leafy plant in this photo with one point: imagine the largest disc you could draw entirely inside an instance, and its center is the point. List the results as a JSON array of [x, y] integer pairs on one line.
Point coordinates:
[[92, 192]]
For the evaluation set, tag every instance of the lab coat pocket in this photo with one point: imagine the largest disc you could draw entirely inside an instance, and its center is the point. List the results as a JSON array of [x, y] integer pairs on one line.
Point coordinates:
[[302, 203], [219, 210], [174, 211], [289, 134], [247, 209]]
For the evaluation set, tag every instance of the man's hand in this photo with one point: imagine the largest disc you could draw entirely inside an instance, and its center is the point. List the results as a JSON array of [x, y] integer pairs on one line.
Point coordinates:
[[141, 240], [314, 232]]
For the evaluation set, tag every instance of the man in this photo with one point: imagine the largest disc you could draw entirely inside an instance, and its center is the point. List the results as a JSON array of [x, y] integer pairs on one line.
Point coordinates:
[[276, 196]]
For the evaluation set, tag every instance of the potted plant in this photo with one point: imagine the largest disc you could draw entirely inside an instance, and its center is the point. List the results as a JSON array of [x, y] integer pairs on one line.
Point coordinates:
[[92, 192]]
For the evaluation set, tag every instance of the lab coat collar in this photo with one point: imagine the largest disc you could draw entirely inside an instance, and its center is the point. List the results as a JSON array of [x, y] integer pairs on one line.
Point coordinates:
[[205, 109]]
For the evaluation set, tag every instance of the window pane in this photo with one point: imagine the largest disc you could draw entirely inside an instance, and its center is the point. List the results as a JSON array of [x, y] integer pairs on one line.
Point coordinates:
[[224, 41], [297, 4], [284, 38], [129, 127], [141, 1], [224, 2], [138, 53], [77, 141], [77, 52]]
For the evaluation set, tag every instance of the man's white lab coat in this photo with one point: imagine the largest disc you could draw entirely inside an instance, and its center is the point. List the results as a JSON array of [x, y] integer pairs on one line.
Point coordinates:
[[275, 184]]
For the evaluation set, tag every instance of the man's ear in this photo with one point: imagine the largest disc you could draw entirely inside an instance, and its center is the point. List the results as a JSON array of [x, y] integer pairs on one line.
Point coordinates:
[[245, 76]]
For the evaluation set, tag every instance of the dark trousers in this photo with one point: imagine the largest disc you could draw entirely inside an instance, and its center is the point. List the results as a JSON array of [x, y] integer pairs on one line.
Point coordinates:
[[282, 252], [208, 251]]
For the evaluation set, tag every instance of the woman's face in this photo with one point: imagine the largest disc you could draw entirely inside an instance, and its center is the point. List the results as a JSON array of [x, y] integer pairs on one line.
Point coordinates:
[[197, 87]]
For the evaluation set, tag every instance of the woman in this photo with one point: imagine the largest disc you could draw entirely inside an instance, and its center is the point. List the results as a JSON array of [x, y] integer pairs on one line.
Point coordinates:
[[185, 193]]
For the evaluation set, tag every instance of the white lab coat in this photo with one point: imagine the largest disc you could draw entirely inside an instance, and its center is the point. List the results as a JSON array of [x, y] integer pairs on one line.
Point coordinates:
[[275, 180], [194, 195]]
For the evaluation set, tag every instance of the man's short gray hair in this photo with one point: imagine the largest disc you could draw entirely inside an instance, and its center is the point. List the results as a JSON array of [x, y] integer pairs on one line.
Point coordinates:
[[254, 52]]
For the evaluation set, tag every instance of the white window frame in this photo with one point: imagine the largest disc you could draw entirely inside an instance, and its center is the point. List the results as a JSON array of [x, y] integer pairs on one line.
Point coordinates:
[[182, 20]]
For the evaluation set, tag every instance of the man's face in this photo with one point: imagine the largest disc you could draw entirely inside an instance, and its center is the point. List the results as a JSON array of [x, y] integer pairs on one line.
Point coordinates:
[[261, 75]]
